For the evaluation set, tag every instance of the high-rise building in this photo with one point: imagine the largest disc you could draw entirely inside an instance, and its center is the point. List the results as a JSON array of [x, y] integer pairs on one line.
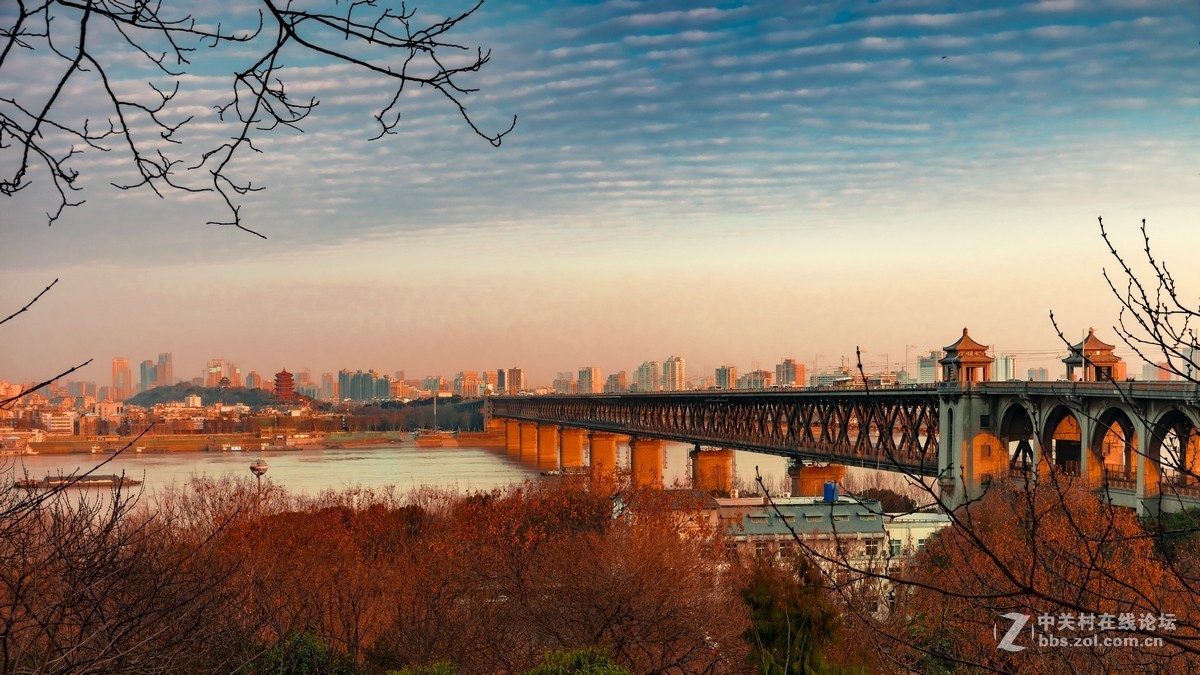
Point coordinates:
[[756, 379], [253, 380], [589, 380], [790, 374], [1156, 372], [217, 369], [515, 379], [149, 373], [674, 377], [617, 383], [1004, 368], [467, 383], [121, 384], [166, 370], [564, 383], [927, 368], [1189, 364], [501, 381], [726, 377], [646, 377]]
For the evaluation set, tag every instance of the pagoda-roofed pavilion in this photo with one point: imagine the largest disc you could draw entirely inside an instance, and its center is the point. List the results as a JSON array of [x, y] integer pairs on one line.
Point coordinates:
[[1095, 359], [285, 386], [966, 361]]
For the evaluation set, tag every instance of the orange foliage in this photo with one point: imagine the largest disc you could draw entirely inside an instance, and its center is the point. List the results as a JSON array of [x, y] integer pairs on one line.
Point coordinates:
[[1053, 550]]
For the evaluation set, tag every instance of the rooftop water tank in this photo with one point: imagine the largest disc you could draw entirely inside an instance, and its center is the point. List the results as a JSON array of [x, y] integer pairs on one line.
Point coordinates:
[[831, 491]]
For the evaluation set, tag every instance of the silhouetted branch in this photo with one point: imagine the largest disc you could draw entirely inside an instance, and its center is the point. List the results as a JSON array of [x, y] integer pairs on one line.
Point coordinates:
[[39, 135], [6, 403], [28, 304]]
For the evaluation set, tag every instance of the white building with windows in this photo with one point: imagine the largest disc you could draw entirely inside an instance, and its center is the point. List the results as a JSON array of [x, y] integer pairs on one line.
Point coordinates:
[[646, 377], [908, 532], [674, 377]]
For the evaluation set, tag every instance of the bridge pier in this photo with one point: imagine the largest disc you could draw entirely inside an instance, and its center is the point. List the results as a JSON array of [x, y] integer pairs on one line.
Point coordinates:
[[571, 447], [547, 446], [604, 453], [712, 470], [646, 462], [512, 437], [809, 481], [528, 446]]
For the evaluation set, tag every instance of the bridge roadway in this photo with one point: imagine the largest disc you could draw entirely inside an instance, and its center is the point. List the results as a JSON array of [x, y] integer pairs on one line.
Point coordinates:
[[1136, 442], [824, 426]]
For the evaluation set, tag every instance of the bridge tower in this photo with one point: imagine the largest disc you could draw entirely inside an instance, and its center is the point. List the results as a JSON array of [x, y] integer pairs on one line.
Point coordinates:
[[712, 470], [570, 443], [969, 454], [809, 481], [512, 436], [603, 452], [528, 442], [646, 462], [547, 447]]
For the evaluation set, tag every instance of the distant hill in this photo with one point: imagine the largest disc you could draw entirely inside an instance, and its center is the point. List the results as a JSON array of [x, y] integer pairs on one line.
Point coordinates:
[[255, 398]]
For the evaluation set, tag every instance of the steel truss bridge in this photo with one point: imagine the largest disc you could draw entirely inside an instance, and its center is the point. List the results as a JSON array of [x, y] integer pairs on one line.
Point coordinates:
[[895, 429]]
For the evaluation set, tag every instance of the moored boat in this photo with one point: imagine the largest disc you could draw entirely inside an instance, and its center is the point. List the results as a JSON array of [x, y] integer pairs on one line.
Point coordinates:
[[93, 480]]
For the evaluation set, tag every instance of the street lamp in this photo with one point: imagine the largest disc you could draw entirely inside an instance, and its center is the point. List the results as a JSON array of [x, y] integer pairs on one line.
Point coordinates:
[[258, 468]]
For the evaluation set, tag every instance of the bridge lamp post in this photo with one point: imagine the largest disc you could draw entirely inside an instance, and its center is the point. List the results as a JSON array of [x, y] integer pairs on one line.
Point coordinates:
[[258, 468]]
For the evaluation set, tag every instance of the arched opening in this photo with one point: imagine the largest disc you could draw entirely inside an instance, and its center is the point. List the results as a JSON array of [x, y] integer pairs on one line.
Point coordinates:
[[1115, 442], [1173, 454], [1062, 444], [1016, 433]]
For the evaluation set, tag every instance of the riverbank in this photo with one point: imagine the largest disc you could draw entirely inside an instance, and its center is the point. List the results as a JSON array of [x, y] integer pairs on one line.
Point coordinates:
[[255, 443]]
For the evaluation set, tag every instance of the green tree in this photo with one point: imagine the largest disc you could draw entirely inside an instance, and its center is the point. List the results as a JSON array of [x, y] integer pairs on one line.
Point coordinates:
[[303, 654], [790, 622], [584, 661]]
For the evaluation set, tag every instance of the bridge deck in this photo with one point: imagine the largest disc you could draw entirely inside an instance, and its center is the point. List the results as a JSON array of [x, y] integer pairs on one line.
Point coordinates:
[[895, 429]]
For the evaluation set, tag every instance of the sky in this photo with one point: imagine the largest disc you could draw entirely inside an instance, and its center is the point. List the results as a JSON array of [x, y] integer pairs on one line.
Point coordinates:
[[730, 182]]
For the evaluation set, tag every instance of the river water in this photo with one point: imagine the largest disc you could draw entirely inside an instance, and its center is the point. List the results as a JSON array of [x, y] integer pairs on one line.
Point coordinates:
[[462, 469]]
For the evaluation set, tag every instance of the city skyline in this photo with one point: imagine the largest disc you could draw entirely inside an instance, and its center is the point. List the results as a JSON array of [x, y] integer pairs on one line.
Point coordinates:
[[213, 369], [667, 375], [736, 183]]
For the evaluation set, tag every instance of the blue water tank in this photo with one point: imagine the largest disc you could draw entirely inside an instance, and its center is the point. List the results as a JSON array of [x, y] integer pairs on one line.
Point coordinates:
[[831, 491]]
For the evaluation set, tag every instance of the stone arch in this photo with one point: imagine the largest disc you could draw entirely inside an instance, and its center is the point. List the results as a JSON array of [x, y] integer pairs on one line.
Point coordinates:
[[1062, 439], [1016, 433], [1114, 442], [1173, 450]]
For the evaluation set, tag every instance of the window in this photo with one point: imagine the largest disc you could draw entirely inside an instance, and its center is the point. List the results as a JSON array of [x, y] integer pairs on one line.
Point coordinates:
[[894, 547], [872, 548], [866, 516], [843, 548], [785, 549], [760, 548], [920, 544], [841, 517], [813, 518]]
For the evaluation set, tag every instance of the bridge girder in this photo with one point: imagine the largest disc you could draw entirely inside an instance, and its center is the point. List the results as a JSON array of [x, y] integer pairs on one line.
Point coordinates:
[[896, 430]]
